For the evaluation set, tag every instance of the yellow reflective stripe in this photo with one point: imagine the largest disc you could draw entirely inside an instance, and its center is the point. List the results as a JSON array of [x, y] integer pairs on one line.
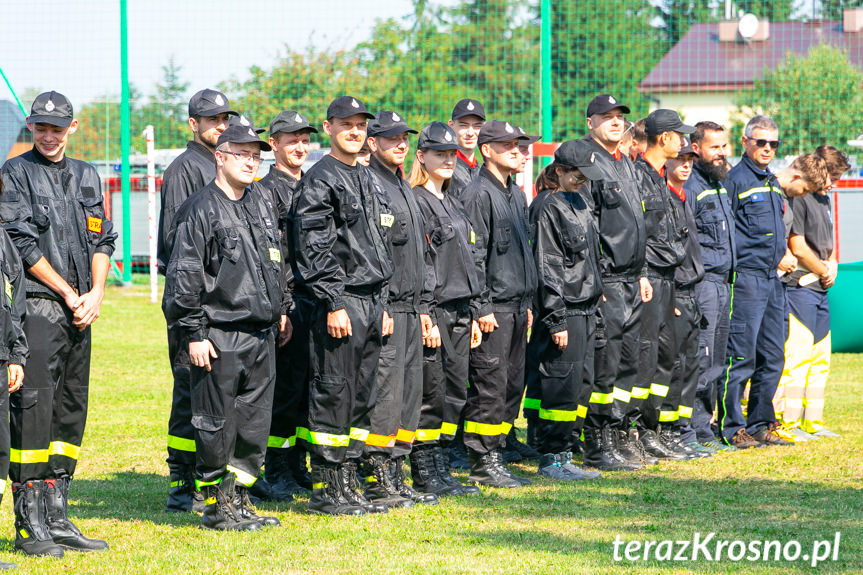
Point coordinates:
[[581, 411], [481, 428], [320, 438], [665, 416], [428, 434], [684, 411], [705, 193], [28, 455], [660, 390], [558, 414], [181, 443], [2, 485], [376, 440], [178, 483], [359, 434], [405, 436], [200, 484], [244, 478], [530, 403], [505, 427], [751, 191], [448, 428], [601, 398], [281, 442], [640, 393], [64, 449], [813, 403], [621, 395], [319, 485]]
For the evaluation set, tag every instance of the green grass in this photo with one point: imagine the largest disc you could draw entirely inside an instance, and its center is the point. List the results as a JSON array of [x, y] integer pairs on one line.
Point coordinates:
[[807, 492]]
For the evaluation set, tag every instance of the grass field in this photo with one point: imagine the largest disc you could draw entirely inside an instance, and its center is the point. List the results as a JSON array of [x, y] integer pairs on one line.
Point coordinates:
[[804, 493]]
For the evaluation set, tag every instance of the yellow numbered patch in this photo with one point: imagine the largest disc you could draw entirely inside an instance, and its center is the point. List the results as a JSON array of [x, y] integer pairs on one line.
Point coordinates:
[[275, 255], [8, 287], [387, 220], [472, 237], [94, 225]]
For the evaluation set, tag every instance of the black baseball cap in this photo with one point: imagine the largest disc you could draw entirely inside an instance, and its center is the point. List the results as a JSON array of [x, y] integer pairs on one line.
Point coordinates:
[[530, 139], [388, 124], [289, 121], [605, 103], [347, 106], [663, 120], [241, 120], [237, 134], [51, 108], [687, 148], [578, 154], [437, 136], [500, 131], [210, 103], [468, 107]]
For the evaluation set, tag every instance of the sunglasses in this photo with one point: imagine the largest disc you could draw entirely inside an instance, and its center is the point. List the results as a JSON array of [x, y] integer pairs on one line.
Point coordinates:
[[774, 144]]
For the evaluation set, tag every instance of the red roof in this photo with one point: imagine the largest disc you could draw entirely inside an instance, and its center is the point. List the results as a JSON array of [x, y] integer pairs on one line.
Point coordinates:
[[700, 62]]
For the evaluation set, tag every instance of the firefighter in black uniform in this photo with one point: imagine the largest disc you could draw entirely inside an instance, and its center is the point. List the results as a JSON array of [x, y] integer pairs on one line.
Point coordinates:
[[285, 463], [616, 200], [13, 348], [395, 415], [52, 209], [209, 112], [451, 267], [664, 253], [498, 213], [340, 234], [468, 117], [561, 350], [225, 289]]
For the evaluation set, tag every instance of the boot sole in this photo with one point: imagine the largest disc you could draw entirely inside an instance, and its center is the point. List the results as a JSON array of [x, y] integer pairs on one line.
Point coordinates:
[[318, 512]]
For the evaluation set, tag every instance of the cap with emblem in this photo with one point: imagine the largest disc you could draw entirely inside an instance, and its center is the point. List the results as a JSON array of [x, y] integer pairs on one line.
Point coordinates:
[[578, 154], [686, 149], [437, 136], [530, 139], [499, 131], [209, 103], [347, 106], [245, 122], [51, 108], [389, 124], [468, 107], [237, 134], [605, 103], [663, 120], [289, 121]]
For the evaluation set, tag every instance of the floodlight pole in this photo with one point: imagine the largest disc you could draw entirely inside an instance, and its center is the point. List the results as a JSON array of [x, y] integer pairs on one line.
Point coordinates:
[[125, 144], [545, 72]]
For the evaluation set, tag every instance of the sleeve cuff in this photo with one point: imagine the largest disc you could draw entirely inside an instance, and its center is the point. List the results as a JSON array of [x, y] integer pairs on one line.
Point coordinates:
[[31, 257], [199, 334], [18, 360], [335, 305], [107, 250]]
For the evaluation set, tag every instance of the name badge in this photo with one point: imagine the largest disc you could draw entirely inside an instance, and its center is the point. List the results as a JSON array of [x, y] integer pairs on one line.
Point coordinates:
[[275, 255], [94, 225], [387, 220]]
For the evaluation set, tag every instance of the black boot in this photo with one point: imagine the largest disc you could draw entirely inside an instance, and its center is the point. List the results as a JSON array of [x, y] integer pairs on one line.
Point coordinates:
[[284, 463], [441, 465], [326, 497], [672, 443], [599, 451], [424, 472], [219, 513], [486, 469], [379, 485], [656, 448], [456, 452], [525, 451], [31, 532], [350, 487], [397, 473], [498, 454], [244, 510], [64, 532], [272, 486], [631, 449], [299, 470]]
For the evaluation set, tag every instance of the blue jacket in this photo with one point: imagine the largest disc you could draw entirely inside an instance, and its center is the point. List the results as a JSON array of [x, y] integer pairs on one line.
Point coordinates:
[[715, 222]]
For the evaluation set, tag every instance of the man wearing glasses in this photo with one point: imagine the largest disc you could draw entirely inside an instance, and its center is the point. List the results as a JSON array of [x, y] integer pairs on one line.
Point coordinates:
[[224, 289]]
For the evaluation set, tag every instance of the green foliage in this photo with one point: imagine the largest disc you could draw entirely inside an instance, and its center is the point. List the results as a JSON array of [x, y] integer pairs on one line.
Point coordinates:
[[814, 99], [679, 15]]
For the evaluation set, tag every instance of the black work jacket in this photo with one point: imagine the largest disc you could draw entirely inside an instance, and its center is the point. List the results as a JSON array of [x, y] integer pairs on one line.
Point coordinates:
[[691, 269], [340, 233], [498, 215], [282, 188], [565, 246], [225, 269], [715, 222], [408, 288], [663, 221], [188, 173], [450, 257], [462, 175], [13, 343], [616, 203], [55, 211]]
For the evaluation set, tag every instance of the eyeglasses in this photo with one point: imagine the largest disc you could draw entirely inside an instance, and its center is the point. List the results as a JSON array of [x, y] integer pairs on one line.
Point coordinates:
[[244, 156], [774, 144]]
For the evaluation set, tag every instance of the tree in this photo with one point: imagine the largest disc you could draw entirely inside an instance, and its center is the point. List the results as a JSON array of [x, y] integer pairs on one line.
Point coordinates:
[[815, 99], [833, 9]]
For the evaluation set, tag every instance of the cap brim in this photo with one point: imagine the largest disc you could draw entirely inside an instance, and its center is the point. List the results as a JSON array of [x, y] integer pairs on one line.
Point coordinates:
[[439, 147], [265, 146], [53, 120], [530, 139], [391, 133], [469, 113], [285, 129], [591, 172], [623, 108], [686, 129], [368, 115]]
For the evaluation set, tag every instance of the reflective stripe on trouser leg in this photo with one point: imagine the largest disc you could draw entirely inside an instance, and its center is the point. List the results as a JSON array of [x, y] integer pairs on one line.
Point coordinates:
[[813, 402], [4, 429], [792, 386], [181, 434], [454, 324], [486, 397], [566, 380], [657, 358], [232, 404], [48, 415], [515, 371], [432, 409], [812, 309]]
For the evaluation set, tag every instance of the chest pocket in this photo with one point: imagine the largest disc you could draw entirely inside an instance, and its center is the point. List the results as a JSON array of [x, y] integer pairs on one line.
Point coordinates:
[[229, 242], [610, 195], [399, 230], [349, 205], [42, 212], [443, 231], [503, 236], [93, 217], [758, 212], [574, 243]]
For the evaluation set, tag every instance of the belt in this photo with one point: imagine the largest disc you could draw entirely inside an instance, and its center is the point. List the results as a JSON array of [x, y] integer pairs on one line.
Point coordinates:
[[718, 278]]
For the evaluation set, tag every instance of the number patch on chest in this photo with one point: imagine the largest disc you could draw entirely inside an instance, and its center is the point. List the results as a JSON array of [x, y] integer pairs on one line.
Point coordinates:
[[387, 220], [94, 225]]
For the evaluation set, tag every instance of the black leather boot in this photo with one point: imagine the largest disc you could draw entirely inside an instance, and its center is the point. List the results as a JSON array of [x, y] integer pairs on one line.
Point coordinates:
[[397, 473], [652, 445], [498, 454], [442, 466], [31, 531], [525, 451], [350, 487], [326, 497], [219, 512], [181, 491], [64, 532], [486, 469], [631, 449], [299, 470], [379, 485], [424, 472], [244, 510], [672, 443], [599, 451]]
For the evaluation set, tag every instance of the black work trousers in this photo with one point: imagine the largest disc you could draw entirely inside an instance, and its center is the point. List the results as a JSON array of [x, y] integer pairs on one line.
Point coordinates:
[[496, 369], [4, 429], [232, 404], [687, 326], [47, 415], [343, 386], [396, 412], [181, 433], [656, 361]]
